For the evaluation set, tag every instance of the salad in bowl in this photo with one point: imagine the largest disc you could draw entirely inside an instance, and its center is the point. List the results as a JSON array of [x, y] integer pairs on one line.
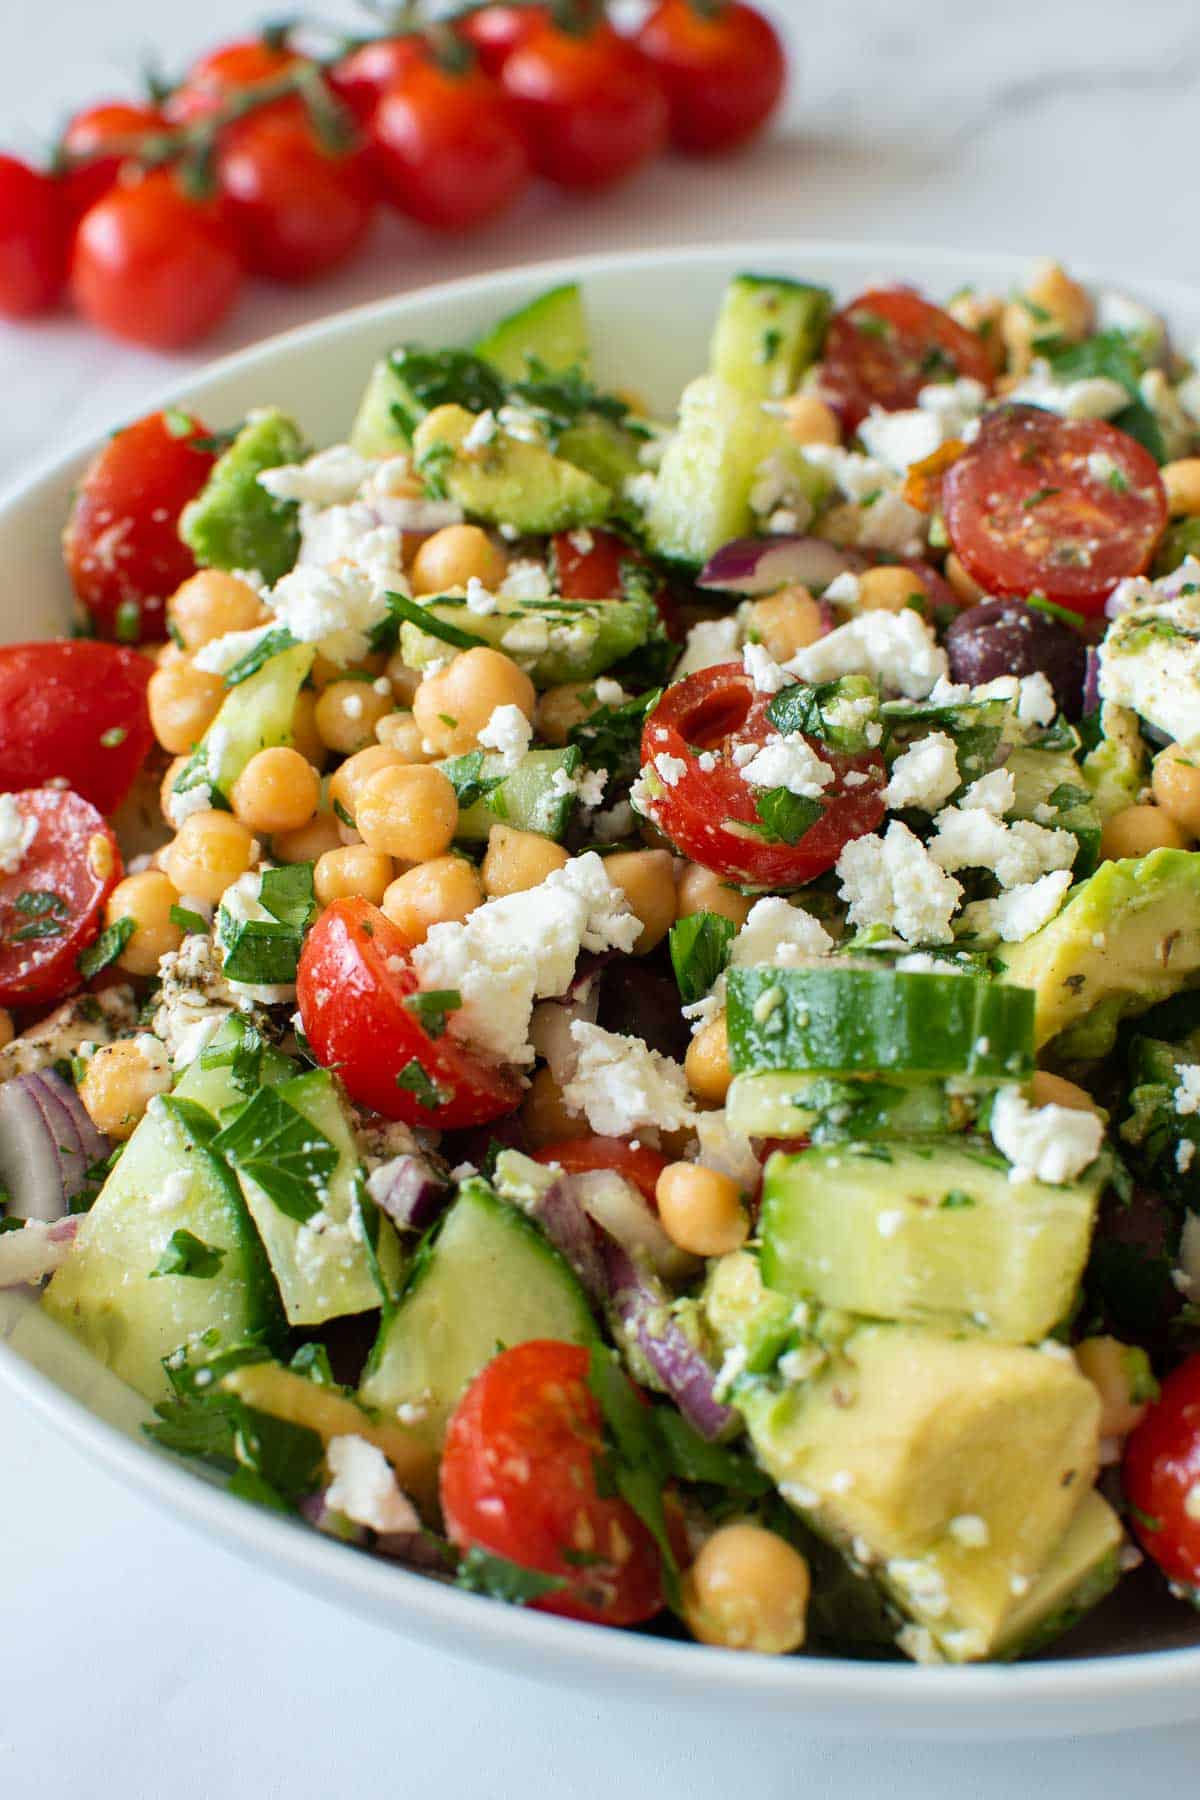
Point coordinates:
[[608, 1007]]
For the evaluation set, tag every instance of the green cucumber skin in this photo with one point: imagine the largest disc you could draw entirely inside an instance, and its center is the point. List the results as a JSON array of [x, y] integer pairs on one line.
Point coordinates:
[[525, 799], [552, 327], [868, 1021], [826, 1110], [769, 330]]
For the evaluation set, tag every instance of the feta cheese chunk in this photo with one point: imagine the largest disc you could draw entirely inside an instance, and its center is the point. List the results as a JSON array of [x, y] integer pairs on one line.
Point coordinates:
[[893, 881], [365, 1488], [509, 732], [925, 775], [787, 762], [1016, 854], [779, 933], [1017, 914], [994, 793], [1044, 1143], [334, 608], [1150, 662], [1186, 1098], [329, 478], [1093, 397], [944, 410], [885, 521], [620, 1085], [763, 670], [16, 834], [710, 642], [898, 650]]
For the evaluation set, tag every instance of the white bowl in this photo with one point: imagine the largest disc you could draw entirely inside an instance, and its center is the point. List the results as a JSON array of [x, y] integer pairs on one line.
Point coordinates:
[[651, 316]]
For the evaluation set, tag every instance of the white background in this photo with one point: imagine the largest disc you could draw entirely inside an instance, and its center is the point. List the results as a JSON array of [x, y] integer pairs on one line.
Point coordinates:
[[137, 1660]]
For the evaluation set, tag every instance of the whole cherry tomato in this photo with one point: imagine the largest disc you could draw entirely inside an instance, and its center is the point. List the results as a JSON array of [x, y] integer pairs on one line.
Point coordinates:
[[447, 150], [74, 711], [722, 66], [230, 69], [121, 544], [1161, 1477], [496, 31], [52, 901], [32, 240], [364, 75], [591, 106], [153, 265], [297, 209], [115, 125]]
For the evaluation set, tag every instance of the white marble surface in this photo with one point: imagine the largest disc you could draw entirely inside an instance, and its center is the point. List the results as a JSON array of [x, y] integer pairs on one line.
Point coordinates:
[[138, 1660]]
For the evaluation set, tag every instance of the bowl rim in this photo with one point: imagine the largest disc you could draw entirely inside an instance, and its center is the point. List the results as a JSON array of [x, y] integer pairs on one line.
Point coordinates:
[[428, 1607]]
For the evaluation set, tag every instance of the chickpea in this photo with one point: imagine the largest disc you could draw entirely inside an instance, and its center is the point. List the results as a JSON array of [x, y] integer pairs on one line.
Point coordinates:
[[454, 556], [278, 790], [967, 590], [700, 1209], [352, 871], [707, 1062], [981, 314], [700, 890], [120, 1081], [1121, 1375], [347, 782], [183, 703], [1136, 830], [347, 713], [518, 860], [400, 732], [1046, 1089], [1051, 290], [890, 588], [810, 421], [840, 525], [647, 880], [310, 842], [305, 736], [786, 622], [544, 1114], [325, 670], [405, 681], [453, 706], [561, 708], [448, 888], [1182, 482], [208, 853], [147, 899], [210, 603], [1176, 784], [747, 1590], [7, 1029], [410, 812]]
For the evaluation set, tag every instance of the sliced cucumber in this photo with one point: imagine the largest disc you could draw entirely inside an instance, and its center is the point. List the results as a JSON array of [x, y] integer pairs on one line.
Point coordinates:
[[506, 481], [1050, 789], [530, 799], [554, 640], [551, 330], [926, 1233], [788, 1106], [879, 1021], [411, 382], [768, 331], [488, 1280], [604, 449], [256, 715], [234, 523]]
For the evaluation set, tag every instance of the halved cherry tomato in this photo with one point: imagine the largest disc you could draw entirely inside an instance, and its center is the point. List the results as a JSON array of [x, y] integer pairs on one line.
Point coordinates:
[[496, 31], [215, 77], [590, 104], [1065, 508], [722, 66], [711, 812], [887, 345], [1161, 1477], [296, 208], [587, 566], [518, 1479], [364, 75], [578, 1156], [446, 148], [52, 903], [121, 544], [353, 981], [74, 711], [113, 127], [33, 261]]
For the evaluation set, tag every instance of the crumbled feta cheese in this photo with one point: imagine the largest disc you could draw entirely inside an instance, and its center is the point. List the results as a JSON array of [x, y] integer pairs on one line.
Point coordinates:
[[1104, 469], [16, 834], [1121, 312], [329, 478], [898, 650], [1093, 397], [669, 769], [479, 600], [777, 488], [621, 1085], [788, 762], [1044, 1143], [1017, 914], [843, 590], [240, 903], [721, 1147], [1036, 704], [925, 775], [969, 1530], [1150, 661], [892, 881], [336, 609], [608, 692], [218, 656], [509, 732], [1185, 1155], [526, 580], [482, 432], [365, 1488], [616, 823], [1186, 1098], [710, 642], [1016, 854], [944, 410], [994, 793], [763, 670], [781, 934], [885, 521], [338, 535]]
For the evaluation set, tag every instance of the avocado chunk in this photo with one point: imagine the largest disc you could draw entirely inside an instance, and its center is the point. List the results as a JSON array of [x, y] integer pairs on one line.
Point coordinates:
[[554, 640], [926, 1233], [504, 480], [768, 331], [1118, 768], [1128, 937], [233, 523], [551, 330], [1083, 1570], [1178, 542]]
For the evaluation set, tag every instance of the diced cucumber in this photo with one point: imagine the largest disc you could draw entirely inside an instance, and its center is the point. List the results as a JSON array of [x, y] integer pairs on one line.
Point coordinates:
[[411, 382], [234, 523], [879, 1021], [255, 715], [787, 1106], [489, 1279], [604, 449], [551, 330], [506, 481], [108, 1293], [1050, 789], [768, 331], [529, 799], [926, 1232], [554, 640]]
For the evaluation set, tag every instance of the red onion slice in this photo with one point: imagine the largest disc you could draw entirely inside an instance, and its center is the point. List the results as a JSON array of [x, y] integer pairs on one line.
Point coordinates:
[[48, 1143], [761, 565], [26, 1256], [557, 1209], [642, 1306], [408, 1191], [1091, 679], [622, 1214]]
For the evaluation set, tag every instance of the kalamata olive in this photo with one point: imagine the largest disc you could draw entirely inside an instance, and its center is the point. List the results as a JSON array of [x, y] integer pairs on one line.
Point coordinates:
[[1006, 637], [639, 998]]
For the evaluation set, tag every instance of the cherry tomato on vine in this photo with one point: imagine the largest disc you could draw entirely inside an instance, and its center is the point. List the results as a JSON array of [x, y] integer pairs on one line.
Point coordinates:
[[230, 69], [591, 106], [296, 208], [121, 545], [32, 240], [447, 150], [579, 1156], [496, 31], [153, 265], [722, 66], [1161, 1477], [364, 75], [89, 134]]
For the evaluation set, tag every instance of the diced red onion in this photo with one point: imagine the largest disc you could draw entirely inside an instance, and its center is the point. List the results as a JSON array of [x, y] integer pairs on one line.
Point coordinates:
[[622, 1213], [641, 1305], [416, 1549], [1091, 680], [328, 1520], [408, 1191], [557, 1209], [26, 1256], [761, 565], [47, 1145]]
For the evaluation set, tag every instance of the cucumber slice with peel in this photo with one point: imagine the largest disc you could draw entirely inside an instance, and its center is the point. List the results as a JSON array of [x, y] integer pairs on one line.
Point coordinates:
[[768, 331], [552, 330]]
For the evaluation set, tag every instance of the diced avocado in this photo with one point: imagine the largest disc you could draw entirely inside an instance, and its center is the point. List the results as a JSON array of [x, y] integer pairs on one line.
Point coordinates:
[[410, 382], [234, 523], [825, 1109], [1051, 791], [768, 331], [1083, 1570], [538, 795], [551, 330], [1128, 937], [930, 1233], [554, 640], [603, 448], [1118, 768], [1178, 542], [504, 480], [255, 715], [489, 1279], [951, 1467]]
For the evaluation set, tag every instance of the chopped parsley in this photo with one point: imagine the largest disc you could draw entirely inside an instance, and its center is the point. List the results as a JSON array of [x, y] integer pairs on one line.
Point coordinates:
[[416, 1081], [278, 639], [700, 945], [281, 1151], [785, 816], [433, 1009], [107, 947], [466, 777], [188, 921], [412, 612], [187, 1254], [480, 1572]]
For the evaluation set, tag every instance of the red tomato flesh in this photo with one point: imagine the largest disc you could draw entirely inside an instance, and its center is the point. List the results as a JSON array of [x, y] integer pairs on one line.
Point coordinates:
[[446, 148], [887, 345], [296, 209], [354, 977], [75, 711], [115, 123], [231, 68], [494, 32], [723, 69], [33, 262], [578, 1156], [1161, 1477], [711, 814], [518, 1479], [52, 903], [1027, 514], [362, 76], [590, 104]]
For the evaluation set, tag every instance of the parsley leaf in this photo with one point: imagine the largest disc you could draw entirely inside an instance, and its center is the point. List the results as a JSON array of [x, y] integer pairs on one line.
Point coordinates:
[[312, 1361], [273, 1461], [482, 1573], [275, 640], [188, 921], [243, 1057], [838, 712], [436, 378], [700, 945], [416, 1080], [432, 1009], [611, 737], [107, 947], [786, 816], [1112, 355], [466, 777], [693, 1458], [287, 894], [187, 1254], [637, 1464], [414, 612], [266, 952], [281, 1151], [563, 397]]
